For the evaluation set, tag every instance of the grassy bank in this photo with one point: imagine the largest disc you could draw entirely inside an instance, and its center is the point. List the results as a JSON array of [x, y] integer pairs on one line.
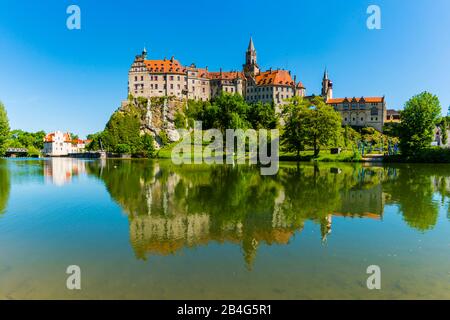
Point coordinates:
[[324, 156]]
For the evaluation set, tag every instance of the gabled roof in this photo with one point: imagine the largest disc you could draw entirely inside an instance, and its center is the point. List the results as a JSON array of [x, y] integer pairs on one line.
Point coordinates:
[[164, 66], [358, 100], [51, 137], [277, 77]]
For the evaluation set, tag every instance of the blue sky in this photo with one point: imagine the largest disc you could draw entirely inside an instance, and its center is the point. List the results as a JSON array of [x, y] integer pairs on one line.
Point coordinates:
[[52, 78]]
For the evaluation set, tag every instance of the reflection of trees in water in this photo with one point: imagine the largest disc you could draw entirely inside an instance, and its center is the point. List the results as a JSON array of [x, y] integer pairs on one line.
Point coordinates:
[[413, 190], [4, 185], [172, 207]]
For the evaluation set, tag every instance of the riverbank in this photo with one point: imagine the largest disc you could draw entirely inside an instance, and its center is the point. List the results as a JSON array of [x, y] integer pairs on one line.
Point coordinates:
[[305, 156]]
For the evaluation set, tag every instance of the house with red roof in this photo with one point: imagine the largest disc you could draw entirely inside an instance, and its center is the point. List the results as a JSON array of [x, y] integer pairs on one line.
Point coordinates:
[[59, 144]]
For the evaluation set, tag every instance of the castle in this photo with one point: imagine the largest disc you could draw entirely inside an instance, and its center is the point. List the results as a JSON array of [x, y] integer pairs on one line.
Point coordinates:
[[169, 78]]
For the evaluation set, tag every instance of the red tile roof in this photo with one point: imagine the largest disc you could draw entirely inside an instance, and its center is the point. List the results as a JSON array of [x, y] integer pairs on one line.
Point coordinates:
[[358, 100], [277, 77], [164, 66], [51, 137]]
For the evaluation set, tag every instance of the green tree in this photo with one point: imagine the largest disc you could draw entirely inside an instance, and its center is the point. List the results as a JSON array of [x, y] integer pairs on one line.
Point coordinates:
[[230, 112], [148, 145], [443, 125], [123, 128], [4, 129], [123, 148], [418, 122], [262, 116], [294, 135], [323, 125]]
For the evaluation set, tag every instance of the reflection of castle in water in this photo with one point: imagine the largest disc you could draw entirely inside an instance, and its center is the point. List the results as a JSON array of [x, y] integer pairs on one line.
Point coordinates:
[[172, 208], [169, 225], [60, 171]]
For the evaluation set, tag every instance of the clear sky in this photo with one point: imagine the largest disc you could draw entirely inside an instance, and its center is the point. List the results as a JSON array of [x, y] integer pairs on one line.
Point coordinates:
[[52, 78]]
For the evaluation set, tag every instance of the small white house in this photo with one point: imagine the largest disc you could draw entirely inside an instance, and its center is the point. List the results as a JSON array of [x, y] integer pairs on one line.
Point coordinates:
[[58, 144]]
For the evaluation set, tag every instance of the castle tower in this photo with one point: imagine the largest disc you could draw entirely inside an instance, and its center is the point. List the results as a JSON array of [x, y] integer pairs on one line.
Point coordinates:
[[327, 86], [251, 66]]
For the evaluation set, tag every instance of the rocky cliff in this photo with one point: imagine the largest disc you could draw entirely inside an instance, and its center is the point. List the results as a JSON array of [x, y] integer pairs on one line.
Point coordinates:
[[157, 116]]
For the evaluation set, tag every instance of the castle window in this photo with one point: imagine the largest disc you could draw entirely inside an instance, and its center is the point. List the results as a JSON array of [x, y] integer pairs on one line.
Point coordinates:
[[171, 77], [142, 78], [135, 78], [171, 86], [374, 111], [178, 78], [156, 78]]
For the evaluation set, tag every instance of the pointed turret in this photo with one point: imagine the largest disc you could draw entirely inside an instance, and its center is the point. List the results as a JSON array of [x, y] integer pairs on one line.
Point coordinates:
[[325, 74], [251, 66], [327, 86], [251, 47]]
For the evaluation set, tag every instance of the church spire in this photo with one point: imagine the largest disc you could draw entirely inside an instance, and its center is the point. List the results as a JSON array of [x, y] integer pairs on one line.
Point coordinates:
[[251, 46], [325, 74], [251, 66]]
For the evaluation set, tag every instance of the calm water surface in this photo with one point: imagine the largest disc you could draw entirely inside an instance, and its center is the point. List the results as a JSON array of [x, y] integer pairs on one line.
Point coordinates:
[[153, 230]]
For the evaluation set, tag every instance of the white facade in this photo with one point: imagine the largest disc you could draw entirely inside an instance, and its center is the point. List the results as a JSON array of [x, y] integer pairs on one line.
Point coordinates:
[[58, 144]]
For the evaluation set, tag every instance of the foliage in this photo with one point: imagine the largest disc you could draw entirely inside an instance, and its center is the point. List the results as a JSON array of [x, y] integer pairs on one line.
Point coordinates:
[[350, 136], [294, 134], [180, 120], [418, 121], [392, 129], [95, 143], [164, 139], [28, 140], [4, 128], [310, 123], [428, 155], [33, 151], [123, 128], [262, 116], [148, 145], [123, 148], [443, 125]]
